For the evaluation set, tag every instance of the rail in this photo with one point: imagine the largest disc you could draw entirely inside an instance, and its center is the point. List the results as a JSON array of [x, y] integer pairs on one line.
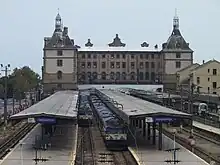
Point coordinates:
[[13, 140]]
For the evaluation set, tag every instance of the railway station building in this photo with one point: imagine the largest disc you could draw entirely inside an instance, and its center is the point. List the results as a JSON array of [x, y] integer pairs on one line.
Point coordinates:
[[65, 64]]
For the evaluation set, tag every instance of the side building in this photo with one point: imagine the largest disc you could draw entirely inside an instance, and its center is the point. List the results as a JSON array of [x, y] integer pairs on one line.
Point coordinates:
[[66, 65]]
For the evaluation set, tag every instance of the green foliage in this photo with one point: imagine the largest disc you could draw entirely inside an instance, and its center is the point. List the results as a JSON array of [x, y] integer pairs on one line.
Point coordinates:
[[21, 80]]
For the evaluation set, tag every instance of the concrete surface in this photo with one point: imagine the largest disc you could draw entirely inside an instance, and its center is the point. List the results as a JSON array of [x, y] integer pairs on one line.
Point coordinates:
[[61, 152], [148, 154], [206, 127]]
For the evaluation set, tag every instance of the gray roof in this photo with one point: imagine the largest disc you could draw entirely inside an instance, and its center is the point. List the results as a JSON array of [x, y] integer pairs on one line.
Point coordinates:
[[137, 107], [176, 42], [62, 104]]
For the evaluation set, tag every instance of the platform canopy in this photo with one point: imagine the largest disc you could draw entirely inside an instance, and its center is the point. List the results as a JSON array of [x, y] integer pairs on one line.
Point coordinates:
[[135, 107], [60, 105]]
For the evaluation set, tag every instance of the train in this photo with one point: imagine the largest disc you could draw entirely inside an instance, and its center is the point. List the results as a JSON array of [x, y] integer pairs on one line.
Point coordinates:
[[112, 128], [85, 113], [198, 108]]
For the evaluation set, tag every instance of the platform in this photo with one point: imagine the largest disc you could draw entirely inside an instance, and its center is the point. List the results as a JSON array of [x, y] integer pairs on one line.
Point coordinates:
[[206, 127], [61, 105], [147, 154], [61, 152]]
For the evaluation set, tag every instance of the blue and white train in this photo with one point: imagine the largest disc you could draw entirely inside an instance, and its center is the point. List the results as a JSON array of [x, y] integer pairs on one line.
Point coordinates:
[[113, 130], [85, 114]]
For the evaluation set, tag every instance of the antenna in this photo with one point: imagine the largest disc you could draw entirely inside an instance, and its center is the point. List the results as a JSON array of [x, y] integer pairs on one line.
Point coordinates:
[[58, 10], [176, 12]]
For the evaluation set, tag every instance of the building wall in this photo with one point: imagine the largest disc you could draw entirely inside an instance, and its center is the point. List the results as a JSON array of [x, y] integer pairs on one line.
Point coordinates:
[[171, 59], [204, 77], [68, 69], [183, 75], [134, 63]]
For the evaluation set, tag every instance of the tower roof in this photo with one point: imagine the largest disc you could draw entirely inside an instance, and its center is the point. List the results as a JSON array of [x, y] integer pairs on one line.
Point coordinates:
[[60, 37], [176, 40]]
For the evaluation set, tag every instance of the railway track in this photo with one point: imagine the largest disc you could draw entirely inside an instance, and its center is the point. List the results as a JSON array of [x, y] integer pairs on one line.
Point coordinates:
[[123, 158], [87, 149], [11, 141], [91, 150], [205, 154]]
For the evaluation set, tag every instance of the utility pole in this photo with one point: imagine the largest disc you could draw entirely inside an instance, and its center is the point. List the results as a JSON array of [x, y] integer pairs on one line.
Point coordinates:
[[5, 69]]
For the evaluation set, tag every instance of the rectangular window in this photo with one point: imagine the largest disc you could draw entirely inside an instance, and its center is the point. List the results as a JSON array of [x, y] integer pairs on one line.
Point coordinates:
[[83, 55], [123, 56], [103, 56], [208, 70], [178, 64], [94, 56], [132, 56], [112, 56], [132, 65], [88, 64], [103, 65], [141, 65], [59, 62], [152, 56], [118, 56], [112, 64], [214, 71], [198, 80], [59, 52], [178, 55], [146, 64], [89, 55], [146, 56], [94, 64], [152, 65], [83, 65], [141, 56], [117, 64], [123, 64], [214, 85]]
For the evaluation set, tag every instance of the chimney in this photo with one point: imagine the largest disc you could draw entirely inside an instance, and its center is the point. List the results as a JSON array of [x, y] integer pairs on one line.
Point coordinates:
[[203, 61], [65, 31]]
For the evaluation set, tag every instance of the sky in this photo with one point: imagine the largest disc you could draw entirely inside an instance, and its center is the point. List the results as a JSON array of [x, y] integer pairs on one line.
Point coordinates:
[[25, 23]]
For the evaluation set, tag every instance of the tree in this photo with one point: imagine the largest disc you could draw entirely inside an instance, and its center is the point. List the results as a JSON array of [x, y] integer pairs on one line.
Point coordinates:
[[20, 81]]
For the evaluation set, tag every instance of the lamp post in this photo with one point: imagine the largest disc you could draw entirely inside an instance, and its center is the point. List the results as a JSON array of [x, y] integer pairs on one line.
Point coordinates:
[[6, 69]]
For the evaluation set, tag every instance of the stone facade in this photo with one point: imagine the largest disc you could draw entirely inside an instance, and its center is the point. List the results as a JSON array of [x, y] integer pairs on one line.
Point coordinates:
[[66, 64]]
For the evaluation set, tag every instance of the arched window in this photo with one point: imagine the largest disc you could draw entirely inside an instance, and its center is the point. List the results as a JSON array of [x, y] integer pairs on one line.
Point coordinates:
[[132, 75], [103, 76], [112, 75], [123, 76], [118, 75], [59, 75], [94, 75]]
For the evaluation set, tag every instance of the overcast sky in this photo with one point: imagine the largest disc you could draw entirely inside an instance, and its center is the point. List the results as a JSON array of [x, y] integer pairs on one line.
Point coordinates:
[[25, 23]]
